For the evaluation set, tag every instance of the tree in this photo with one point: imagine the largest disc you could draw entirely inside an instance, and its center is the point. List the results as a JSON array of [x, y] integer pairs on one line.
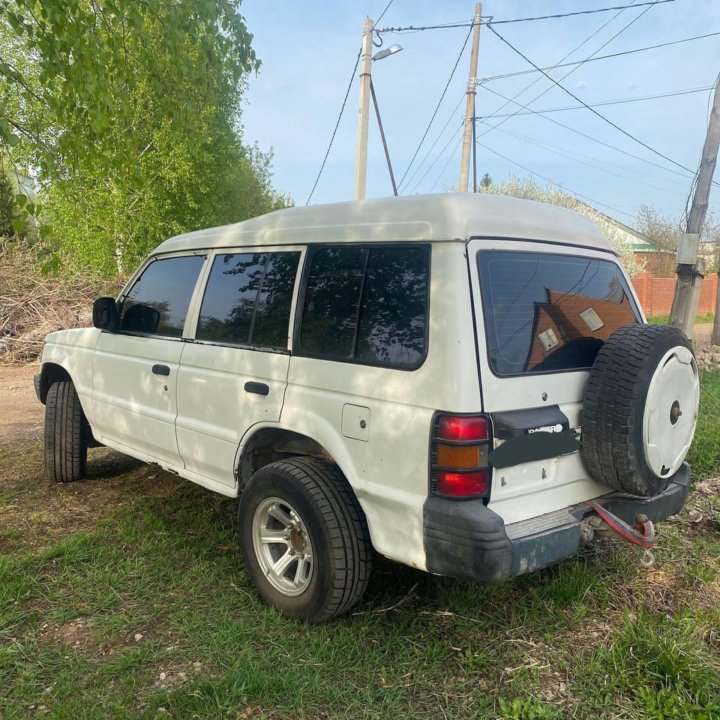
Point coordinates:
[[530, 190], [130, 111], [7, 205], [486, 181]]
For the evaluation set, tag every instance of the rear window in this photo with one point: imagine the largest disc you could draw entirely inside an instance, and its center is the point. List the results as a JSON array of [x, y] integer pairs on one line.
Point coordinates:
[[549, 313]]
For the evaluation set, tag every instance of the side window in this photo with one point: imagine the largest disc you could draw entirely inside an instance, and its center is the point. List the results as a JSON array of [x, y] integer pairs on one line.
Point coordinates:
[[158, 302], [367, 304], [247, 299]]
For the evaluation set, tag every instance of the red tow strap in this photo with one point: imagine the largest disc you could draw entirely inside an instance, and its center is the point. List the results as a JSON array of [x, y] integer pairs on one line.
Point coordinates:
[[642, 534]]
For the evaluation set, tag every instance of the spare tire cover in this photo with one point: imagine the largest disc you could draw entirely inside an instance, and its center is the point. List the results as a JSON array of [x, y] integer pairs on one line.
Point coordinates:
[[640, 408]]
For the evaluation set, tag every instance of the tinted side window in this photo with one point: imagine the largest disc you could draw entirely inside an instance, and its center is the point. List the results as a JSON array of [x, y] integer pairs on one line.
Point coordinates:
[[547, 312], [158, 302], [331, 302], [247, 300], [391, 328], [367, 304]]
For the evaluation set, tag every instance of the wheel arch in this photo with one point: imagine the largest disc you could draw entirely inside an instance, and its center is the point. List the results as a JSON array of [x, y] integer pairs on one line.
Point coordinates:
[[265, 444], [51, 373]]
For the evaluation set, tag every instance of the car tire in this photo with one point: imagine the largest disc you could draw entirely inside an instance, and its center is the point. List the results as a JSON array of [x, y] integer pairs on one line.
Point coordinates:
[[66, 434], [640, 409], [304, 539]]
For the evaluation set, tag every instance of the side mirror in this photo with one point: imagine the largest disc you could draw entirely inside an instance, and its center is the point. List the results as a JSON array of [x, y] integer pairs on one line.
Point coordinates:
[[105, 314]]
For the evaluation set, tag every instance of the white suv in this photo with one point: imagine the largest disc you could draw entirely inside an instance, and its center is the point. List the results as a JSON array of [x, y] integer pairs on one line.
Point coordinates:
[[447, 379]]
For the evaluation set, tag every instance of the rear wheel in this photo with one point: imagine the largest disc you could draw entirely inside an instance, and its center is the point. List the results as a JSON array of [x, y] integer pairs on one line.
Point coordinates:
[[66, 434], [640, 408], [304, 539]]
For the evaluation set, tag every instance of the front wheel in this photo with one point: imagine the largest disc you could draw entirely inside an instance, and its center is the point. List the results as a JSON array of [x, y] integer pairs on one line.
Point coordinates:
[[304, 539], [66, 434]]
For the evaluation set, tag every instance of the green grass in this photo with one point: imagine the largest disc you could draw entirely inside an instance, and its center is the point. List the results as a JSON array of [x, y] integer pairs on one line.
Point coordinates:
[[663, 319], [136, 553]]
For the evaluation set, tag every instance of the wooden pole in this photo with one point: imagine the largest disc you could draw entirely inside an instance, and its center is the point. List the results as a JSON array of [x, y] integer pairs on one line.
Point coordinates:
[[690, 274], [361, 148], [470, 102]]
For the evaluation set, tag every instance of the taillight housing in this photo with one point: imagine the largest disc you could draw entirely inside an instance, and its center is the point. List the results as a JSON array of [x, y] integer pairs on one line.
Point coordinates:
[[459, 449]]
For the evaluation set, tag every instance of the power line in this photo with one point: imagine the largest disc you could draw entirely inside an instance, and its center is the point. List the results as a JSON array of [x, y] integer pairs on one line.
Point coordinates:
[[592, 110], [553, 182], [437, 139], [447, 162], [337, 124], [589, 137], [595, 52], [481, 81], [382, 14], [576, 157], [446, 26], [438, 156], [619, 101], [437, 107]]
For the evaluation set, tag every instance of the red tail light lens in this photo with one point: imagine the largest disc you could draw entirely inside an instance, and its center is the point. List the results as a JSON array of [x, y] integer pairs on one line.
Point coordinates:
[[459, 456], [462, 484], [463, 429]]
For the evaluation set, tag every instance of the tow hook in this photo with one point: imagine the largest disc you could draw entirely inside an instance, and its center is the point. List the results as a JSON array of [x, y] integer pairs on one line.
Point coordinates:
[[642, 533]]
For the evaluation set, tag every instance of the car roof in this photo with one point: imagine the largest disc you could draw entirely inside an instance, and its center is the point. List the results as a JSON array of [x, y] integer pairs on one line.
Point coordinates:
[[440, 217]]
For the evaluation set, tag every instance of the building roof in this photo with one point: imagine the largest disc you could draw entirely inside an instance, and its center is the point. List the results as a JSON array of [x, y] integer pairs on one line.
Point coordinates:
[[448, 216]]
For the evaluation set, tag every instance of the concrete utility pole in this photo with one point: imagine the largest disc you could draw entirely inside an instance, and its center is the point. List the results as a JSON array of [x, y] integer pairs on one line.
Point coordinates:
[[690, 271], [470, 102], [363, 111]]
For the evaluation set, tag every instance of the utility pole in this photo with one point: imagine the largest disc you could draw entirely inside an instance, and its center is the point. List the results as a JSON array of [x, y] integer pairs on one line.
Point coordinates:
[[363, 111], [470, 102], [690, 271]]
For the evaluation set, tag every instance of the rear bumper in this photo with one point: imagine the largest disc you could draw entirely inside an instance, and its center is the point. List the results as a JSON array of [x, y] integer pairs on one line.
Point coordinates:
[[466, 539]]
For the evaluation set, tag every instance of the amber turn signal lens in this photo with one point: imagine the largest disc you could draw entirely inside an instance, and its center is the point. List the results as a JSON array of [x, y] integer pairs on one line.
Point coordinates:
[[457, 456]]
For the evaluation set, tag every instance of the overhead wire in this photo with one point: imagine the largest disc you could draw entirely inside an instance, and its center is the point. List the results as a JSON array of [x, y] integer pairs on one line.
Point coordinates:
[[532, 71], [334, 132], [446, 26], [553, 182], [592, 110], [437, 158], [437, 108], [590, 137], [619, 101], [569, 72], [437, 139], [447, 162]]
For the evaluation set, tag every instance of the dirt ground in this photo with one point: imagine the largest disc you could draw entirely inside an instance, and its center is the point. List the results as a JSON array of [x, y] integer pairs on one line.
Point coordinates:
[[21, 415]]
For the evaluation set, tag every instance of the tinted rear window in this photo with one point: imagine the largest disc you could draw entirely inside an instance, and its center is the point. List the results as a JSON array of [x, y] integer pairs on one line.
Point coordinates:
[[367, 304], [548, 313]]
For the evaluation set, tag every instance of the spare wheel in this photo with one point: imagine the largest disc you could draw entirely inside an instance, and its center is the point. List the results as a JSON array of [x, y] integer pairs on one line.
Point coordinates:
[[640, 409]]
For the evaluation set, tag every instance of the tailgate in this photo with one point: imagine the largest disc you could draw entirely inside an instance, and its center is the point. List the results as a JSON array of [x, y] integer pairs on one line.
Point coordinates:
[[542, 312]]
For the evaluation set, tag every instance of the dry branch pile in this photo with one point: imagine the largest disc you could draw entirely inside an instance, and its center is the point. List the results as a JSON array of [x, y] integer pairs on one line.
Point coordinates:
[[33, 304]]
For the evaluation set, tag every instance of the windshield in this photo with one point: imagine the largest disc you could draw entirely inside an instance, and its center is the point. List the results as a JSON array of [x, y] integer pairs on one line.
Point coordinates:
[[548, 313]]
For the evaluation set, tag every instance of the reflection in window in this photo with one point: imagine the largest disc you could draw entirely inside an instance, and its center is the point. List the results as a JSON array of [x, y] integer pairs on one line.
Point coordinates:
[[158, 302], [247, 300], [367, 304], [548, 312]]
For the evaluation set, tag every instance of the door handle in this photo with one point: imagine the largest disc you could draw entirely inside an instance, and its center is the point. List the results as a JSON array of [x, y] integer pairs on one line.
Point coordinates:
[[160, 369], [257, 387]]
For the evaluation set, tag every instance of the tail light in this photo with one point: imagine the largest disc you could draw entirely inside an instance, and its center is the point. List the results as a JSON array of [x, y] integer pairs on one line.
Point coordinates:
[[459, 456]]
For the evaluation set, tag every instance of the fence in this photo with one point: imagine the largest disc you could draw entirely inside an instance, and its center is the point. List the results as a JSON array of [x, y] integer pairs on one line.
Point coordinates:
[[656, 294]]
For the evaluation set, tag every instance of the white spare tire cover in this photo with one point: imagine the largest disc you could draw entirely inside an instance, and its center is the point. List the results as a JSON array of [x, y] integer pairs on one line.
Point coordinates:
[[640, 409]]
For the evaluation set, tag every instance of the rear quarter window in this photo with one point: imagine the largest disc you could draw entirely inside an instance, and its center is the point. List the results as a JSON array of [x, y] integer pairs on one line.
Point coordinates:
[[548, 313]]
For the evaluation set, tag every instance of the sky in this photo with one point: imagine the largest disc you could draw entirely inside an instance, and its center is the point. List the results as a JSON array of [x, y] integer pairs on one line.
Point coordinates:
[[308, 50]]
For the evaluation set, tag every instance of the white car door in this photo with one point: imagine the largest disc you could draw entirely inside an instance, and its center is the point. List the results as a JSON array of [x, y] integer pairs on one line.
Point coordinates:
[[233, 372], [135, 369]]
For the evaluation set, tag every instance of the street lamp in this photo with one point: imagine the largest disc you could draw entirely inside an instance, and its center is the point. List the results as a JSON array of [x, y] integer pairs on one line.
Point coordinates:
[[387, 52], [366, 90]]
